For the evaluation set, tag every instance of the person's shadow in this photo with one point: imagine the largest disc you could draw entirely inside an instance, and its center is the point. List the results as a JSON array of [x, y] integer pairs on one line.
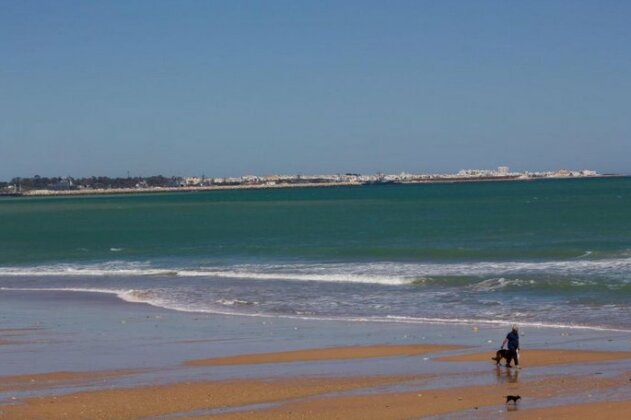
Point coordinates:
[[506, 375]]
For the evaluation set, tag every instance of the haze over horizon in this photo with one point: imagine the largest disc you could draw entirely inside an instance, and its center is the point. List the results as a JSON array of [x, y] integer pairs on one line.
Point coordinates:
[[237, 88]]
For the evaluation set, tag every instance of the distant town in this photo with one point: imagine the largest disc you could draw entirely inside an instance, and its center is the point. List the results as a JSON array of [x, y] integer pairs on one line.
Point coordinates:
[[39, 186]]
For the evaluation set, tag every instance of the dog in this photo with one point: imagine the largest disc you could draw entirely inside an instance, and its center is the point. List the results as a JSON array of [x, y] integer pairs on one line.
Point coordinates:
[[512, 398], [501, 354]]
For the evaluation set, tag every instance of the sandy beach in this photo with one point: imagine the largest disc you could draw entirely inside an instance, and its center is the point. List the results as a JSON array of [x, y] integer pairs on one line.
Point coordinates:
[[359, 397], [337, 353], [138, 361]]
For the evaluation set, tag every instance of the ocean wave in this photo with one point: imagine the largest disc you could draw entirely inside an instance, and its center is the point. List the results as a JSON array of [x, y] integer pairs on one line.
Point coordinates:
[[232, 302], [110, 268], [384, 273], [340, 276], [292, 272], [153, 298], [493, 284], [541, 284]]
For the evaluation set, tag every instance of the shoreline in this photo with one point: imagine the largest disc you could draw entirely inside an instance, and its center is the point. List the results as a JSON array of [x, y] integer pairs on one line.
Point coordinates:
[[140, 361], [101, 295], [318, 345], [157, 190]]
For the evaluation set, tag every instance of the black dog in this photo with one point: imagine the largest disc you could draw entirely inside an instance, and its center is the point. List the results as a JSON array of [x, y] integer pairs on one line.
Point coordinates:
[[501, 354], [512, 398]]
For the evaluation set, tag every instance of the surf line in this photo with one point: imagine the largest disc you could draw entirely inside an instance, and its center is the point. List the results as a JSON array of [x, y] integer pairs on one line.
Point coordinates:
[[139, 296]]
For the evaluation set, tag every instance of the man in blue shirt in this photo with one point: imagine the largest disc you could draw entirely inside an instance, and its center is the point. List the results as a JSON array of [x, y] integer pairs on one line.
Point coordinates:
[[512, 339]]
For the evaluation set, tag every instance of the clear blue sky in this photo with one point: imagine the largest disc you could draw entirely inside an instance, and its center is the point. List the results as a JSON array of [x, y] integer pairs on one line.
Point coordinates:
[[260, 87]]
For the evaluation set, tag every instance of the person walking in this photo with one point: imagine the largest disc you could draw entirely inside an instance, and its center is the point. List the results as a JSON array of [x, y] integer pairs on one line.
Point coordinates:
[[512, 345]]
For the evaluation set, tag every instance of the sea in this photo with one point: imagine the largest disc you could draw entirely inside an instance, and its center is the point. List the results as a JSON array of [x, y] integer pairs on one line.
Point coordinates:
[[552, 253]]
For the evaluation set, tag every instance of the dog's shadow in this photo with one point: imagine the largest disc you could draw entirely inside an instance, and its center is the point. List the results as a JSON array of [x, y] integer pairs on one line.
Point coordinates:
[[505, 375]]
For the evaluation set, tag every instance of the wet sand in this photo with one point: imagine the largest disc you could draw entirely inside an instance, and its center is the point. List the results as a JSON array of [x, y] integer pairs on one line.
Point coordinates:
[[612, 409], [130, 403], [54, 379], [426, 402], [361, 397], [7, 334], [544, 357]]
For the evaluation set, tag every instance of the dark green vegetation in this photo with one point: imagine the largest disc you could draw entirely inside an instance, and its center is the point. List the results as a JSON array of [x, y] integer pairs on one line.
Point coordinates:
[[40, 183]]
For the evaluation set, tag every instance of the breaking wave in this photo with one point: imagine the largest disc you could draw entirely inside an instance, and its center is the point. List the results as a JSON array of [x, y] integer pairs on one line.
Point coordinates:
[[153, 298], [389, 273]]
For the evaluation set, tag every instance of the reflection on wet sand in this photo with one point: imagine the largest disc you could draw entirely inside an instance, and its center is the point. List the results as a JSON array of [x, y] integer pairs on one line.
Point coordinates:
[[506, 375]]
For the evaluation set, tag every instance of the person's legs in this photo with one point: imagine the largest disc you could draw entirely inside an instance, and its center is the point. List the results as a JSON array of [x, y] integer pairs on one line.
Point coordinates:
[[510, 357]]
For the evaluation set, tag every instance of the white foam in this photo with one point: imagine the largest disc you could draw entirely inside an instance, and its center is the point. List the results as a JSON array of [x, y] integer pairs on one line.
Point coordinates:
[[111, 268], [340, 277], [384, 273], [490, 285], [395, 274], [232, 302], [148, 297]]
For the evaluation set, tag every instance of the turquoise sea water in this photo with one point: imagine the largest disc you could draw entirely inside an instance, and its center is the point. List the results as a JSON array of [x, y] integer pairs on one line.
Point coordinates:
[[551, 252]]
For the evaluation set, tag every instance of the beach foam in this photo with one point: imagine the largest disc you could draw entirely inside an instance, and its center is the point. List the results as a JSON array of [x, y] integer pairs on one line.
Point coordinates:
[[583, 294], [154, 298], [385, 273]]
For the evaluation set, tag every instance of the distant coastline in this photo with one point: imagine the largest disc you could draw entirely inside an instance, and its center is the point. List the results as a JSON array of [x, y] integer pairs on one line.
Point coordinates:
[[305, 182]]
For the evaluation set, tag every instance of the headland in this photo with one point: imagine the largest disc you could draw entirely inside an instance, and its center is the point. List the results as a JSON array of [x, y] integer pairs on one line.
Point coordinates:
[[38, 186]]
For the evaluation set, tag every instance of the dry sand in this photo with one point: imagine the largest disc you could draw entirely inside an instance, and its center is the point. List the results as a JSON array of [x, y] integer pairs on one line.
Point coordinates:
[[333, 353]]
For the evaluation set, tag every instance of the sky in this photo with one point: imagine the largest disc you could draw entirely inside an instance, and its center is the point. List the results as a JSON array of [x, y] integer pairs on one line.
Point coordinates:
[[226, 88]]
